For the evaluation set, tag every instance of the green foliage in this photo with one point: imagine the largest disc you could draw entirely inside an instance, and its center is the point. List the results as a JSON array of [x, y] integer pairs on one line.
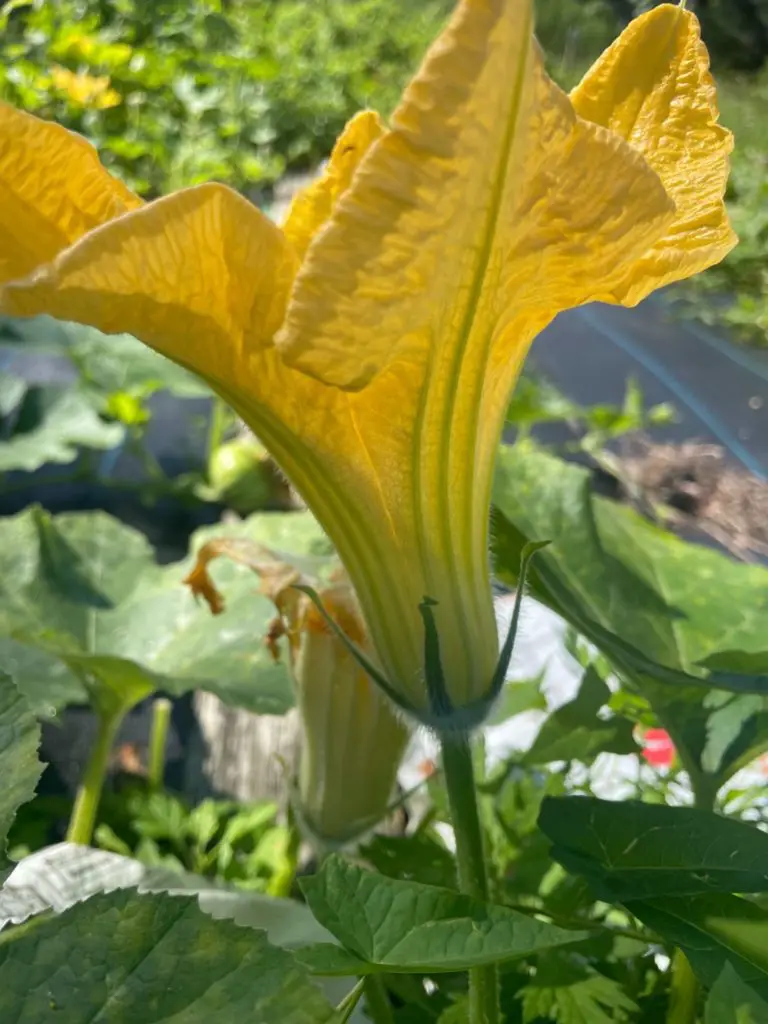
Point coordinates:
[[122, 626], [96, 400], [712, 930], [575, 731], [19, 767], [536, 401], [239, 844], [409, 927], [666, 613], [155, 954], [570, 993], [733, 1002], [574, 32], [177, 94], [633, 850], [734, 292], [51, 425], [420, 858], [735, 31]]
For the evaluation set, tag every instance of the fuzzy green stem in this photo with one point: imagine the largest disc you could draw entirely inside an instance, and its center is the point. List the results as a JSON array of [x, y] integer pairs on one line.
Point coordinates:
[[158, 736], [377, 1002], [470, 857], [83, 819]]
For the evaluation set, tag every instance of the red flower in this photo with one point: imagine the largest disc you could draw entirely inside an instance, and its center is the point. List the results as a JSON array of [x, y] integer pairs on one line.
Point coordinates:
[[658, 748]]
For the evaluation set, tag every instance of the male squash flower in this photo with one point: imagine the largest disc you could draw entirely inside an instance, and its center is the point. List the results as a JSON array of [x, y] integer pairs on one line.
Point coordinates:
[[372, 342], [352, 740]]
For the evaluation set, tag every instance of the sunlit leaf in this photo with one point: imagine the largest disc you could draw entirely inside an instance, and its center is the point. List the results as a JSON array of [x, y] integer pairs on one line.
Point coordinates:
[[123, 626], [394, 926], [658, 605], [677, 619], [123, 957], [19, 766]]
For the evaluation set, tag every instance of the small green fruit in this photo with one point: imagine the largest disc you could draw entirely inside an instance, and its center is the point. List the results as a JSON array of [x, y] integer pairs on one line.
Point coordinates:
[[242, 476]]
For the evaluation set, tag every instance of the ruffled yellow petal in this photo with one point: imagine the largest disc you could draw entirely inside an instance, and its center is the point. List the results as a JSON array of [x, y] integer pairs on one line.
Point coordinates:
[[52, 191], [481, 203], [202, 276], [654, 89], [488, 208], [313, 205], [485, 211]]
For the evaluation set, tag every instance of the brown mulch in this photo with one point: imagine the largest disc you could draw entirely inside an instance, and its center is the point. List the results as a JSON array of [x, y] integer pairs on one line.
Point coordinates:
[[693, 487]]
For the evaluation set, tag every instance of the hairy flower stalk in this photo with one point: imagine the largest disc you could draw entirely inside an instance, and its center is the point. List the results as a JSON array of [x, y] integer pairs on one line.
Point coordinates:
[[372, 341], [352, 740]]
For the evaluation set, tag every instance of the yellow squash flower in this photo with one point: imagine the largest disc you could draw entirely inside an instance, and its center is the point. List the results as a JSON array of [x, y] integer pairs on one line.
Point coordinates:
[[352, 740], [84, 90], [372, 342]]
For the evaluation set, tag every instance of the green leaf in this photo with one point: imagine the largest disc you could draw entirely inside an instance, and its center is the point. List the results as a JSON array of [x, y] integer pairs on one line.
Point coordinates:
[[327, 960], [712, 930], [119, 362], [406, 927], [674, 618], [20, 769], [43, 679], [572, 993], [635, 850], [84, 589], [64, 572], [70, 422], [415, 858], [732, 721], [60, 876], [659, 606], [575, 732], [125, 957], [458, 1013], [65, 874], [731, 1001]]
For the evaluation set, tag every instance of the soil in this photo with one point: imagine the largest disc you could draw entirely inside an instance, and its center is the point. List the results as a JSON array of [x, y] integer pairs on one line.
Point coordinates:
[[695, 488]]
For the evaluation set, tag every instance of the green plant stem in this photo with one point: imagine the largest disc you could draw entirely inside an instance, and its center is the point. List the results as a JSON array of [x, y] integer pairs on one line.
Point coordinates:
[[377, 1002], [350, 1001], [83, 819], [158, 736], [470, 856]]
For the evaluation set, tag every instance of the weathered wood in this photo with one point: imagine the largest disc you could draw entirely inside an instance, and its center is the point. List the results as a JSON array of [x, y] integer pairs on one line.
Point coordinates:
[[242, 755]]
